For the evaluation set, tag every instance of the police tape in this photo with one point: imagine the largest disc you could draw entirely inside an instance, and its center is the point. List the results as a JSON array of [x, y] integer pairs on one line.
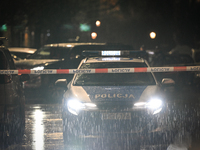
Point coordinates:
[[103, 70]]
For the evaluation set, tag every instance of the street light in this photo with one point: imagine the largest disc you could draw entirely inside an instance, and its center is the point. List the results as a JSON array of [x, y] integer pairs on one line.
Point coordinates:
[[93, 35], [98, 23], [152, 35]]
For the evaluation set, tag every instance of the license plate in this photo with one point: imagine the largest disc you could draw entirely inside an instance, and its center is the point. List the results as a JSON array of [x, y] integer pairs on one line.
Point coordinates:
[[116, 116]]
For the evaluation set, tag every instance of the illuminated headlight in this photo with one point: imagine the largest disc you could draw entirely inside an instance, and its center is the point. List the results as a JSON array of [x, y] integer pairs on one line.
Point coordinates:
[[155, 105], [38, 68], [75, 106]]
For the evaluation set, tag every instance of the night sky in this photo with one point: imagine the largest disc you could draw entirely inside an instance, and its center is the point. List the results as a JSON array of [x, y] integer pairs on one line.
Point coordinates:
[[128, 22]]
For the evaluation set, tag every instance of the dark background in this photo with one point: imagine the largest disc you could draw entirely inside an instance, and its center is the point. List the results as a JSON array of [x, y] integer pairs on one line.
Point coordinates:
[[33, 23]]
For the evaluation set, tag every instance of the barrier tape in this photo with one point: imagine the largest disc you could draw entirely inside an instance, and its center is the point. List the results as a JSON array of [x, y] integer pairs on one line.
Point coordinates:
[[103, 70]]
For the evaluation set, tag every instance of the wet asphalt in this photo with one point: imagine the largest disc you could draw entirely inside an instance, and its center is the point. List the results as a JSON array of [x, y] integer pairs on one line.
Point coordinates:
[[43, 130]]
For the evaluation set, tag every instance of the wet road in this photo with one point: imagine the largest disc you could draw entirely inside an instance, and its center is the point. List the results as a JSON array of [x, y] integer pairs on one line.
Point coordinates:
[[43, 130]]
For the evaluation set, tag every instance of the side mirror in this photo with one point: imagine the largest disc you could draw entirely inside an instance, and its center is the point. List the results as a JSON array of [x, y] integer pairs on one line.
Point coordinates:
[[24, 77], [168, 85], [168, 81], [61, 83]]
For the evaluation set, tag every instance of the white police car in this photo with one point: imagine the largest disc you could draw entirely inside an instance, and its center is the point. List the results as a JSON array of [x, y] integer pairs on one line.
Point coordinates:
[[121, 102]]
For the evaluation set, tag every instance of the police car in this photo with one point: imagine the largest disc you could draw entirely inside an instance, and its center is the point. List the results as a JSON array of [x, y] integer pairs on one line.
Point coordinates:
[[98, 104]]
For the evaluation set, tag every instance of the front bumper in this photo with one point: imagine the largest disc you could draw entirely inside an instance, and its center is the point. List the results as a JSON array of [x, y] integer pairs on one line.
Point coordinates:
[[111, 121], [172, 117], [142, 126]]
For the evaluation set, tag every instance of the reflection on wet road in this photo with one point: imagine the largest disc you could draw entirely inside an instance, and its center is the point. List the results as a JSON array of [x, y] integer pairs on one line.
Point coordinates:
[[38, 132], [43, 128], [44, 132]]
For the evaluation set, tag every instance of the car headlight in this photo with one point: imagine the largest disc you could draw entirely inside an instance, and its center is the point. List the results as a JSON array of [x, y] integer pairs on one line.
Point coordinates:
[[38, 68], [155, 105], [75, 106]]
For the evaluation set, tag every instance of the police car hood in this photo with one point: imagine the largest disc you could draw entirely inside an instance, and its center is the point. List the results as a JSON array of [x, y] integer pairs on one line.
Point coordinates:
[[113, 93], [30, 63]]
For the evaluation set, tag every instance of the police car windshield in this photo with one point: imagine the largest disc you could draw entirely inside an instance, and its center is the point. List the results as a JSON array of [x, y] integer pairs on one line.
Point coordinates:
[[112, 65], [113, 79]]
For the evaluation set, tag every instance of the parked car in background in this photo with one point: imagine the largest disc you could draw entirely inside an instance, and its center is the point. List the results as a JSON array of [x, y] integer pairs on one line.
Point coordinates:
[[12, 99], [170, 60], [19, 53], [48, 54]]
